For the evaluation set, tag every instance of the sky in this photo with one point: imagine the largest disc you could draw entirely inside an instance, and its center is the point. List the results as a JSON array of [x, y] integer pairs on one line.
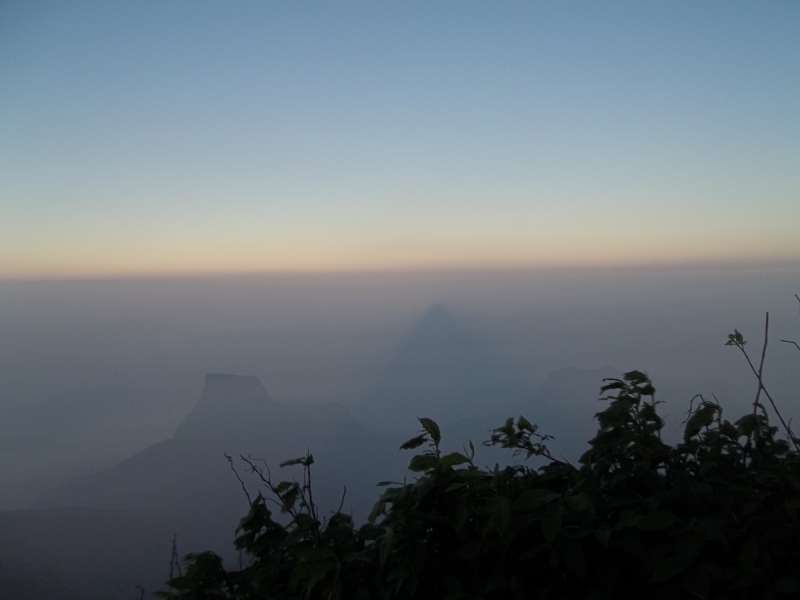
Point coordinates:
[[171, 137]]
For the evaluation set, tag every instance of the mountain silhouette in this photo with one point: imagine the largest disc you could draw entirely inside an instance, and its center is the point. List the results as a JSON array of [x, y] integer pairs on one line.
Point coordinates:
[[238, 407], [228, 404], [444, 372], [128, 513], [236, 415]]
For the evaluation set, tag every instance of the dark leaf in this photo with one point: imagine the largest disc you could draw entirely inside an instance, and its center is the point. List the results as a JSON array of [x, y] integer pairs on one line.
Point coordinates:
[[580, 503], [455, 458], [627, 520], [283, 486], [432, 428], [657, 520], [357, 557], [415, 442], [499, 509], [423, 462], [386, 545], [523, 423], [787, 585], [470, 549], [636, 377], [749, 553], [702, 417], [667, 568], [551, 523], [615, 384], [454, 486], [603, 535], [572, 553], [532, 499]]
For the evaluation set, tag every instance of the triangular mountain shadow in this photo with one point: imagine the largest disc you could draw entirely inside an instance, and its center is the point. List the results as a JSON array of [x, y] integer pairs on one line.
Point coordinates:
[[443, 372]]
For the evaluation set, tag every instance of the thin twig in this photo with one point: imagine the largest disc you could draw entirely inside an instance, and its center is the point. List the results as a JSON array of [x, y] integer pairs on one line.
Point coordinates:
[[719, 422], [341, 504], [761, 365], [759, 375], [266, 465], [244, 488], [254, 468], [175, 550], [786, 427], [312, 508], [691, 407], [258, 470], [795, 344], [174, 561]]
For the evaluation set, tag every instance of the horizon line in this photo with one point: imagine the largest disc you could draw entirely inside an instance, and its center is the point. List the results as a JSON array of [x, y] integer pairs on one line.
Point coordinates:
[[654, 266]]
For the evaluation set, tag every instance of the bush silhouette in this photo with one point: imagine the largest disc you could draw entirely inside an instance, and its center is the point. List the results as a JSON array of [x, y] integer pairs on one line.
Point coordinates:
[[716, 515]]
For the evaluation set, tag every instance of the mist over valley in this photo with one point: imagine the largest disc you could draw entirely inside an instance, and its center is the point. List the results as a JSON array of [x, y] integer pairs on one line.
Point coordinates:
[[121, 399]]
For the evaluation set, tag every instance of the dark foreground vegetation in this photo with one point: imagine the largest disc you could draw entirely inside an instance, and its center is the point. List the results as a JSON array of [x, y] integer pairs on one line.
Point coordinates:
[[714, 516]]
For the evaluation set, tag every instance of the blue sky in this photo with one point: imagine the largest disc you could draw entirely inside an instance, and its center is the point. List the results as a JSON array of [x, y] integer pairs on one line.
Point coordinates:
[[183, 137]]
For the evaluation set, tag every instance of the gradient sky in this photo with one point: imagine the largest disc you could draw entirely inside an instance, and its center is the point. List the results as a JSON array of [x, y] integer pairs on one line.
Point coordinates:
[[180, 137]]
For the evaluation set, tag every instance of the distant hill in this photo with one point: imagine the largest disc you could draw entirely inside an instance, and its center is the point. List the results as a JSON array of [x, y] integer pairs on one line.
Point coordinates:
[[235, 414], [444, 372]]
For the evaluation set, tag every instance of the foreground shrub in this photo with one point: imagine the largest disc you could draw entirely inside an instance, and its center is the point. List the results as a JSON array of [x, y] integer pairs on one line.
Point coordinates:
[[714, 516]]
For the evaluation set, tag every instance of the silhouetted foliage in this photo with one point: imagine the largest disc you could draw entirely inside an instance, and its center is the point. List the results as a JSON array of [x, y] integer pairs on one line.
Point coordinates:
[[716, 515]]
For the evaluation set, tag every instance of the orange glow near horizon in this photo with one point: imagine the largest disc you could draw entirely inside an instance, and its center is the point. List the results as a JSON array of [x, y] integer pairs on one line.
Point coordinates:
[[120, 262]]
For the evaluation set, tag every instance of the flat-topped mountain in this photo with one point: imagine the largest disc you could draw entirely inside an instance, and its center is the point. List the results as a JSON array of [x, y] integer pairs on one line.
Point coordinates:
[[228, 404], [238, 408]]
